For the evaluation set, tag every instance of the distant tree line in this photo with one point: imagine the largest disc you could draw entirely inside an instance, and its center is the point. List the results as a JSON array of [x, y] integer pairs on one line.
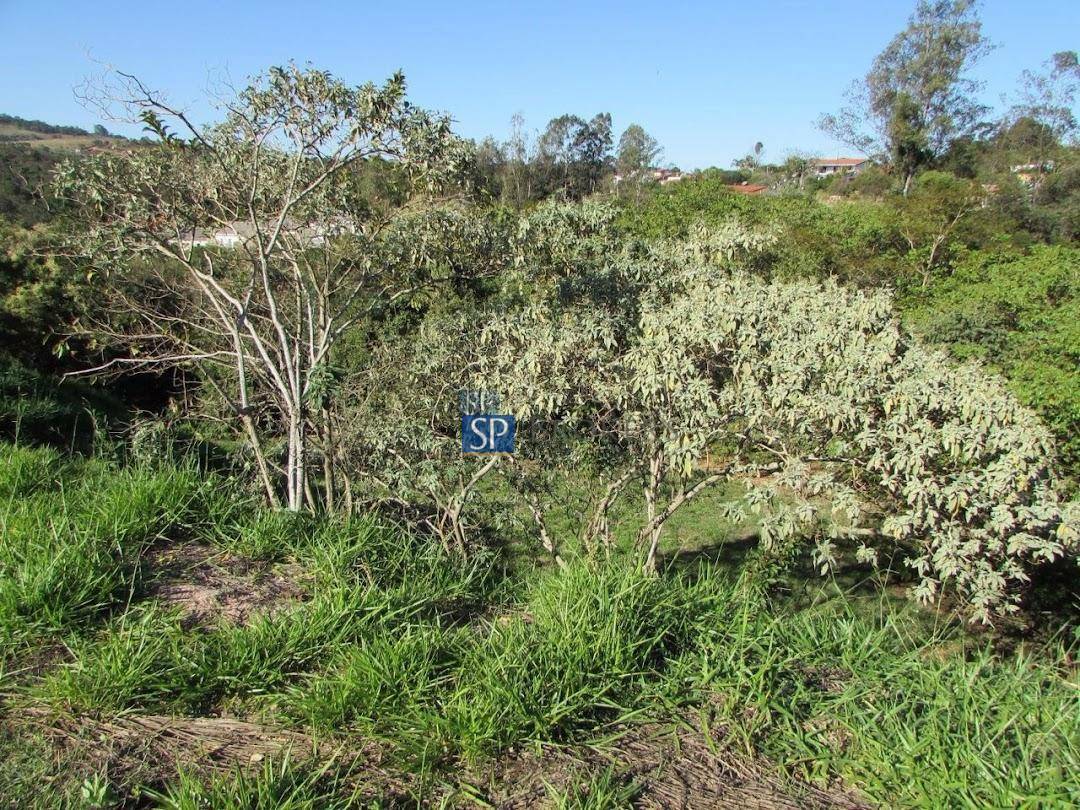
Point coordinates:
[[571, 159], [40, 126]]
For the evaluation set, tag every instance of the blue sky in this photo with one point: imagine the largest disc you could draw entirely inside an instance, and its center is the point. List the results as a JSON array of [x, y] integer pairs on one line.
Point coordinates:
[[706, 79]]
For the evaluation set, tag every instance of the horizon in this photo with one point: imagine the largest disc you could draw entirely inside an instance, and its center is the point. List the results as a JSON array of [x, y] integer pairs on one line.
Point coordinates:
[[485, 64]]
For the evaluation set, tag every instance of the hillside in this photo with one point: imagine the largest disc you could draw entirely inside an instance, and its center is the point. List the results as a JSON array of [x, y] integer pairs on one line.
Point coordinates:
[[28, 152], [52, 136]]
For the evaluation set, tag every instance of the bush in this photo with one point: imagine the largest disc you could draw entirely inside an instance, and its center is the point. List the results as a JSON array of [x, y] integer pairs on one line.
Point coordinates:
[[1019, 313]]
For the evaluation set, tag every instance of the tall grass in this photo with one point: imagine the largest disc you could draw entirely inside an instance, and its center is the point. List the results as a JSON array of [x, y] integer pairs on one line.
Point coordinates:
[[583, 649], [282, 784], [443, 657], [910, 719], [369, 584], [74, 534]]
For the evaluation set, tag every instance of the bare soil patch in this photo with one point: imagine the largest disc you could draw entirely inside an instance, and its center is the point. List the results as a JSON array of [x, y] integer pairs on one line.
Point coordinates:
[[210, 585], [150, 749], [674, 767]]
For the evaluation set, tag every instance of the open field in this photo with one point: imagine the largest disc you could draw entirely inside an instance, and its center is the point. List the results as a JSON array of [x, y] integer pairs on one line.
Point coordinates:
[[14, 134]]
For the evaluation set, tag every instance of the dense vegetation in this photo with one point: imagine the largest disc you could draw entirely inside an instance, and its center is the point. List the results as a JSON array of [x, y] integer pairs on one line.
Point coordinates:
[[793, 492]]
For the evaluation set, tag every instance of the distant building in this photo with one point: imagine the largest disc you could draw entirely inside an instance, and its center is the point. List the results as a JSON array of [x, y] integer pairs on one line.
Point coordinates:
[[1031, 174], [665, 176], [661, 176], [824, 167], [237, 234]]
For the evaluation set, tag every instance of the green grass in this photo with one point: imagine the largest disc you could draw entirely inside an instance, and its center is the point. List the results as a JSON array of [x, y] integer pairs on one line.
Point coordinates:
[[603, 791], [74, 535], [911, 719], [445, 660], [586, 647], [283, 785]]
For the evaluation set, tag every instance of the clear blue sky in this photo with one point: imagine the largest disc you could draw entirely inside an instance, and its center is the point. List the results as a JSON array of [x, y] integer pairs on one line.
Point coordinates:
[[706, 79]]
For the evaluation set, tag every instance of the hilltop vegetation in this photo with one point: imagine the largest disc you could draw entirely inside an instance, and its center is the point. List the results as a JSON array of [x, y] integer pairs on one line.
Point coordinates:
[[29, 151]]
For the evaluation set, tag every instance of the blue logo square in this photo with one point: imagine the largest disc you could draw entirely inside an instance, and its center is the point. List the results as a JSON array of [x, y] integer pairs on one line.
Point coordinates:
[[487, 433]]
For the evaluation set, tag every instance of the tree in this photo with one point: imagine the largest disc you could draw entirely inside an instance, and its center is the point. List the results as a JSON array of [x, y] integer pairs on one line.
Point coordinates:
[[572, 154], [917, 97], [795, 169], [749, 162], [684, 371], [279, 181], [402, 429], [908, 145], [929, 217], [638, 152], [517, 188], [1049, 98]]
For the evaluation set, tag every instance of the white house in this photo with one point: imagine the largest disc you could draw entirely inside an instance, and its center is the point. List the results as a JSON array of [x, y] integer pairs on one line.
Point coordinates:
[[824, 167]]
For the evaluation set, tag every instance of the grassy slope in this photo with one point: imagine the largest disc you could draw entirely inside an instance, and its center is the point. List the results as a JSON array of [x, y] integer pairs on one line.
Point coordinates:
[[446, 660], [63, 142]]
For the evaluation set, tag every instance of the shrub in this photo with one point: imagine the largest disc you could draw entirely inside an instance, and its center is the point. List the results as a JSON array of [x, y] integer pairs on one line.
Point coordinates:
[[858, 430]]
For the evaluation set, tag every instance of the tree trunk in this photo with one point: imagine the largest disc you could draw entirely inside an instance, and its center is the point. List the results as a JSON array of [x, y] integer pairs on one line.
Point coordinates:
[[260, 460], [329, 454], [545, 536], [295, 461], [598, 523], [651, 531]]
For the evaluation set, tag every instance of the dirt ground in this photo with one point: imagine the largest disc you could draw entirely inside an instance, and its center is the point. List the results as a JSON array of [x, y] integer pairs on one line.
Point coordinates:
[[209, 585], [670, 766]]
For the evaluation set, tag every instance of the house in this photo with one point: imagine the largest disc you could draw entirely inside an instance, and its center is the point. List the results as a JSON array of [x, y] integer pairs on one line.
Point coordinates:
[[1031, 174], [661, 176], [237, 234], [665, 176], [824, 167]]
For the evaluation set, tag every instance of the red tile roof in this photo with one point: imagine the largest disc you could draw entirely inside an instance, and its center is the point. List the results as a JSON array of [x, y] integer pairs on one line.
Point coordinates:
[[838, 161]]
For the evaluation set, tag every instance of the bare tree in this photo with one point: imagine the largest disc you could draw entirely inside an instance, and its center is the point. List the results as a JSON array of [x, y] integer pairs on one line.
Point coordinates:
[[248, 248]]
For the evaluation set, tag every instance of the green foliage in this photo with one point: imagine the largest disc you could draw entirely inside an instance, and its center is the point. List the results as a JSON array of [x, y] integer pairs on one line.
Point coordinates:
[[38, 407], [40, 295], [281, 171], [1019, 314], [24, 184], [818, 377], [930, 216], [854, 242]]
